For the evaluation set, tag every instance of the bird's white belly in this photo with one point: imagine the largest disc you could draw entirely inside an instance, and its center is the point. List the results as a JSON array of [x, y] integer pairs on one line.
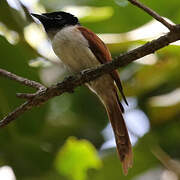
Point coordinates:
[[73, 49]]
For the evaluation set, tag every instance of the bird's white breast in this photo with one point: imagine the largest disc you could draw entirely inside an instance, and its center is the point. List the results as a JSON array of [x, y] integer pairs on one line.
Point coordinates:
[[73, 49]]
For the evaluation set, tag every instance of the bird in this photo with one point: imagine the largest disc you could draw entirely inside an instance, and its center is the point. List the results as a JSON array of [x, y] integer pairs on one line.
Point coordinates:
[[79, 48]]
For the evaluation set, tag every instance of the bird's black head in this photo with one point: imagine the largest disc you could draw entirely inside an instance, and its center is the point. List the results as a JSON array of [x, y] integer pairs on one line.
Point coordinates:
[[56, 20]]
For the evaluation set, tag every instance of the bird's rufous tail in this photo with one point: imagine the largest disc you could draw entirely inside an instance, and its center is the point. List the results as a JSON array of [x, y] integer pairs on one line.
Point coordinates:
[[123, 143]]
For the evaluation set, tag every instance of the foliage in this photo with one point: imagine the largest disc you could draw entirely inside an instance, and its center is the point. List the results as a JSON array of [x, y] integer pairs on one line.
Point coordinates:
[[76, 157]]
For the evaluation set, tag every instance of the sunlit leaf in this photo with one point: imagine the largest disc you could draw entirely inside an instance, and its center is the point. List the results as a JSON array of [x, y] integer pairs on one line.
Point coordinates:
[[95, 14], [76, 157]]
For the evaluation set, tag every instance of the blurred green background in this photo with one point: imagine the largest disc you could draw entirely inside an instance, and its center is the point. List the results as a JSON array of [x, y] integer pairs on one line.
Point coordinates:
[[69, 137]]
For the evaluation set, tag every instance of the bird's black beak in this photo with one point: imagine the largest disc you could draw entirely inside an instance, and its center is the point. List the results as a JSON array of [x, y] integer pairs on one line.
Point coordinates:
[[40, 17]]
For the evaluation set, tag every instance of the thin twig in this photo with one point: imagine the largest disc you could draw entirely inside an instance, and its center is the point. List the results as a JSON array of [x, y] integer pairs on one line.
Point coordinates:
[[14, 114], [21, 80], [26, 11], [155, 15], [88, 75], [26, 95], [171, 164]]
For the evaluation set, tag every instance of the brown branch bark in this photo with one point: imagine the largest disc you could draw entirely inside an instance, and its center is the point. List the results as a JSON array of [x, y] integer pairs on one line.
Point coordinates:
[[21, 80], [88, 75], [171, 164], [26, 95], [152, 13]]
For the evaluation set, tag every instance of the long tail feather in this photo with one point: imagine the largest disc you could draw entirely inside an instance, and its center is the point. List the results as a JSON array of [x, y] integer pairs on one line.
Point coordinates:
[[123, 143]]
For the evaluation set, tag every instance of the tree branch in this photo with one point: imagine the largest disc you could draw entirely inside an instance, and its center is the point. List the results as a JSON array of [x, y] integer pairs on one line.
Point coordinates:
[[26, 95], [171, 164], [152, 13], [21, 80], [88, 75]]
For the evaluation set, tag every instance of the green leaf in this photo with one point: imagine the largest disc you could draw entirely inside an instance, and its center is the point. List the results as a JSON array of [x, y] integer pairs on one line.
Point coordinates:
[[76, 157], [97, 14]]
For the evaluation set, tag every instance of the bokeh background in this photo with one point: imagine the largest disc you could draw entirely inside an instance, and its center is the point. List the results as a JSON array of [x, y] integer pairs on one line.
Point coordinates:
[[69, 137]]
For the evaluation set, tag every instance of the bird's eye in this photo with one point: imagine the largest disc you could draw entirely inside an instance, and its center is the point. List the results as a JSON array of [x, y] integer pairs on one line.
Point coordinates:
[[58, 17]]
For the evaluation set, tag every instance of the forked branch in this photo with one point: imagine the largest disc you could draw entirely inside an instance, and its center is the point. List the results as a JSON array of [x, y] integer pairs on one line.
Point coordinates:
[[154, 14]]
